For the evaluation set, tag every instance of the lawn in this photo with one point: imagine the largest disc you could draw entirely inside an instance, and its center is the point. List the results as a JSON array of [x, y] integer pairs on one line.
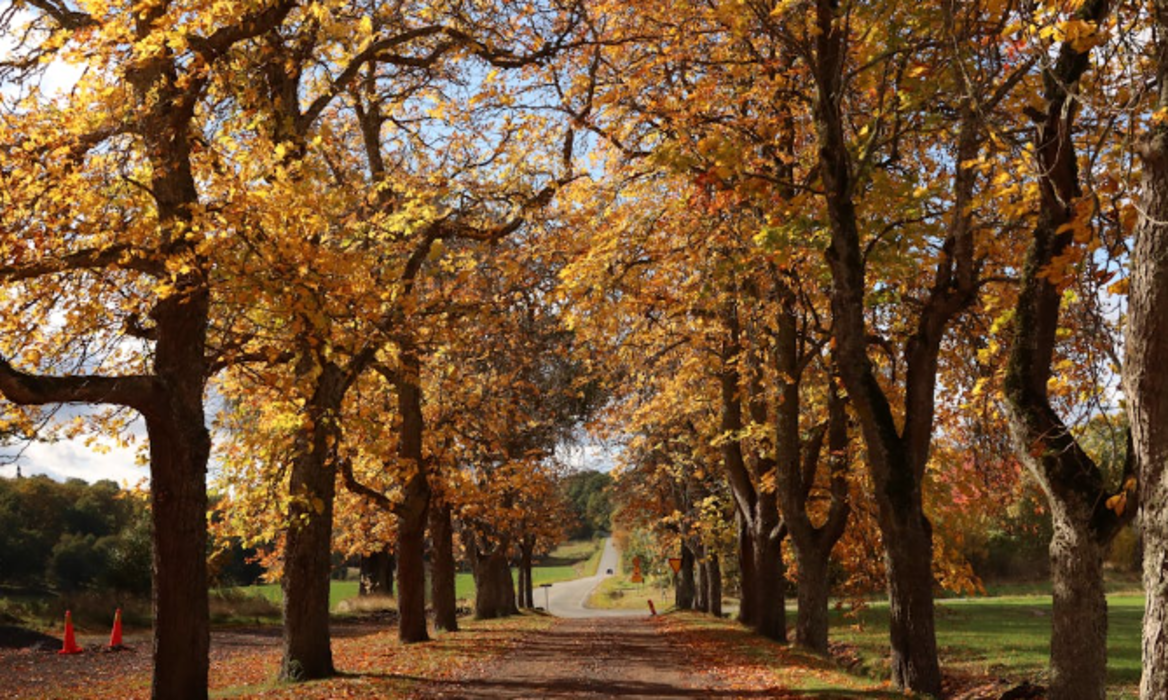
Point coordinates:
[[1006, 636], [569, 561], [618, 593]]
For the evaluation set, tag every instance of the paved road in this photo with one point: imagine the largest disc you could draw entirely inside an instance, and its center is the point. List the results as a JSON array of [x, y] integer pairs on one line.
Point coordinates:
[[567, 598]]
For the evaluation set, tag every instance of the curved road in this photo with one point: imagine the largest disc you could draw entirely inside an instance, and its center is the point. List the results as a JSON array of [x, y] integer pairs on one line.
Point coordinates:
[[569, 598]]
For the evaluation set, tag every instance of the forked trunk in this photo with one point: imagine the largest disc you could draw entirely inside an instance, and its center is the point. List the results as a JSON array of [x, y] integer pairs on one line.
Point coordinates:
[[442, 574], [1145, 381]]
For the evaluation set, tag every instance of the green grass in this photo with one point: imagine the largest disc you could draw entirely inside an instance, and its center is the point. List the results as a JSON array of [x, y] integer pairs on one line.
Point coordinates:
[[571, 560], [618, 593], [1006, 636]]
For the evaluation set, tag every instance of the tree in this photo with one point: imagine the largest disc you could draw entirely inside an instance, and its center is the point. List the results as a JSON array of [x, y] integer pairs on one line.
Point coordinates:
[[138, 240], [1146, 344], [1083, 513]]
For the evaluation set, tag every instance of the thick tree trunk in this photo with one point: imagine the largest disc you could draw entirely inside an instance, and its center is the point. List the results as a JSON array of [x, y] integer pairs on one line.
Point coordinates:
[[411, 562], [746, 581], [178, 496], [442, 573], [714, 577], [307, 563], [1078, 643], [1146, 383], [685, 591], [494, 589], [702, 597], [746, 578], [1074, 484], [908, 559], [415, 504], [376, 576], [811, 622], [308, 543], [770, 585]]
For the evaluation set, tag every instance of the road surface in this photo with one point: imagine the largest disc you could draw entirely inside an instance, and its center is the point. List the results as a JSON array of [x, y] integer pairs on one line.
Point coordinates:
[[569, 598], [582, 659]]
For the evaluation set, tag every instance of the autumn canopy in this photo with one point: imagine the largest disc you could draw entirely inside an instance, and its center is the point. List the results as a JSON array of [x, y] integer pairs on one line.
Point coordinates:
[[840, 278]]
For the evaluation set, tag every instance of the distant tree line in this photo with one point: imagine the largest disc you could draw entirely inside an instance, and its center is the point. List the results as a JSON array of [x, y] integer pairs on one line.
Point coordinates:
[[73, 535], [590, 495]]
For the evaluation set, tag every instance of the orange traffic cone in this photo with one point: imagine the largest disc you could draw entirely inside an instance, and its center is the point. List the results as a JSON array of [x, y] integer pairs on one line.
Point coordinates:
[[116, 636], [70, 646]]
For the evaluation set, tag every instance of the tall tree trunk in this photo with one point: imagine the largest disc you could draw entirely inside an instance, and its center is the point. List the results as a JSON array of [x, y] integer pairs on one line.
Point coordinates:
[[520, 583], [1145, 382], [746, 577], [376, 575], [308, 543], [1074, 485], [527, 552], [415, 504], [760, 531], [812, 622], [685, 591], [178, 497], [714, 576], [770, 583], [442, 573], [702, 597], [411, 562], [494, 589]]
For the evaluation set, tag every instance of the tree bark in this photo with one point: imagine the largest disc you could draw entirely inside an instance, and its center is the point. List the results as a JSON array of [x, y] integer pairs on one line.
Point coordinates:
[[308, 543], [178, 497], [714, 576], [494, 588], [527, 589], [415, 504], [746, 578], [1074, 485], [1145, 382], [702, 594], [760, 532], [685, 591], [376, 577], [798, 463], [442, 573]]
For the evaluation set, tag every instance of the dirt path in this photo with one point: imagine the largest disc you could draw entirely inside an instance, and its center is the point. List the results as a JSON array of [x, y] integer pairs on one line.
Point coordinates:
[[588, 658]]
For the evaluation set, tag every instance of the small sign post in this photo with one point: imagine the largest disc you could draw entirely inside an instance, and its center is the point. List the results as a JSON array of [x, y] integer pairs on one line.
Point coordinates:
[[675, 564], [547, 606]]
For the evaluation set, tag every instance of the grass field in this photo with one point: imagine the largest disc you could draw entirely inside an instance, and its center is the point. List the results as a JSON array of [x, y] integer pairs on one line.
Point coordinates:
[[569, 561], [618, 593], [1006, 636]]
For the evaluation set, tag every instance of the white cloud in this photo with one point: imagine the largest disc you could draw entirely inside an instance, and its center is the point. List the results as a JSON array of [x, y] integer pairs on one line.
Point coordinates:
[[69, 459]]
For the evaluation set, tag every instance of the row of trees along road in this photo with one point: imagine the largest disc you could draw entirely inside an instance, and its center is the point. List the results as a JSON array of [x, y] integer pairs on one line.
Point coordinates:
[[811, 244]]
